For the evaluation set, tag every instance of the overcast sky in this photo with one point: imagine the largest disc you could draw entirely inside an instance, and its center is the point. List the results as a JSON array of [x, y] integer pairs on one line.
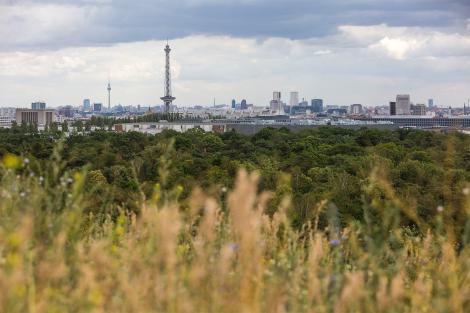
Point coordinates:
[[345, 51]]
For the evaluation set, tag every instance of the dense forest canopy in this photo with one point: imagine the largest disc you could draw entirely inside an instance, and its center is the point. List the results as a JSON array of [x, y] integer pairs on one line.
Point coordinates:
[[422, 171]]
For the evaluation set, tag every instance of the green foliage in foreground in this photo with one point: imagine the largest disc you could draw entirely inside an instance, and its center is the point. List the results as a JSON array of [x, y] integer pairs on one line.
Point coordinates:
[[424, 171], [57, 255]]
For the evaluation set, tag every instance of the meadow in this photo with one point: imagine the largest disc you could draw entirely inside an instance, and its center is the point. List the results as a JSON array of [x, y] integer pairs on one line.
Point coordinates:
[[240, 249]]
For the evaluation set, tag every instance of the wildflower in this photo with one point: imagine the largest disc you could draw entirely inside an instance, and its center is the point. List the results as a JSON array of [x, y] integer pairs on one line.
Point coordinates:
[[32, 174], [234, 246], [26, 161], [466, 191], [335, 242], [11, 161], [77, 176], [23, 194], [224, 189], [41, 179], [440, 209], [69, 180]]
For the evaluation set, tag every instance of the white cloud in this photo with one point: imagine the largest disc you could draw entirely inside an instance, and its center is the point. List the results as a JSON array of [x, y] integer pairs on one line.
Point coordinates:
[[33, 24], [372, 67], [397, 48], [407, 42], [322, 52]]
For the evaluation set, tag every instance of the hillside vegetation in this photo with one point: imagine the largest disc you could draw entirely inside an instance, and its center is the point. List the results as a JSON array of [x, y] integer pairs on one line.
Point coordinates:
[[320, 221]]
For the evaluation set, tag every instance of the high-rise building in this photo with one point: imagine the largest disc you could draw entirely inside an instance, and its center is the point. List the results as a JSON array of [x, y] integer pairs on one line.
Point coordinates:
[[294, 98], [243, 105], [97, 107], [403, 105], [168, 97], [38, 106], [418, 109], [430, 103], [275, 105], [66, 111], [356, 109], [317, 105], [393, 108], [234, 103], [86, 104]]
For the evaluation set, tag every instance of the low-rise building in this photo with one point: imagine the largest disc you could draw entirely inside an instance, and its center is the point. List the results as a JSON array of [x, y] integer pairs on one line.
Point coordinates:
[[38, 117]]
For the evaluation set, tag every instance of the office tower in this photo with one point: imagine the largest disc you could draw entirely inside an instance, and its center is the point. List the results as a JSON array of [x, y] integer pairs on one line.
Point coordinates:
[[38, 106], [418, 109], [234, 103], [356, 109], [97, 107], [168, 97], [86, 104], [276, 104], [430, 103], [393, 108], [403, 105], [243, 105], [294, 98], [66, 111], [317, 105]]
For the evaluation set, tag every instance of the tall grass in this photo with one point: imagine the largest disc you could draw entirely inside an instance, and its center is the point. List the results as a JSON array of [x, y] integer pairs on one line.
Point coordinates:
[[203, 258]]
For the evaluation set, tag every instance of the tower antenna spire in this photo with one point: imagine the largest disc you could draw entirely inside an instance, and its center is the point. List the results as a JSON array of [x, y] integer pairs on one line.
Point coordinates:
[[109, 92], [168, 97]]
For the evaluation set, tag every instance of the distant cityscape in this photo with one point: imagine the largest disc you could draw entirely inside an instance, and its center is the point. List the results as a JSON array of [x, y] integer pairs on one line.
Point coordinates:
[[401, 112]]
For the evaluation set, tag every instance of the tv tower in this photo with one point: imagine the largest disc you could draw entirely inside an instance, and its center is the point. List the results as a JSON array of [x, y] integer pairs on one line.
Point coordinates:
[[167, 98], [109, 94]]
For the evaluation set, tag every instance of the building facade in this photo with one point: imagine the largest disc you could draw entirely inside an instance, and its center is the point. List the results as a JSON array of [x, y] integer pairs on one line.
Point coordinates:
[[275, 106], [403, 105], [317, 105], [356, 109], [418, 109], [430, 103], [294, 98], [97, 107], [393, 108], [38, 106], [39, 117], [86, 104]]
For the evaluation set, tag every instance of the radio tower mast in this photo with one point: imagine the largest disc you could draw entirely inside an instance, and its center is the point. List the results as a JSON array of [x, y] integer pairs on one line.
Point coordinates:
[[109, 95], [167, 98]]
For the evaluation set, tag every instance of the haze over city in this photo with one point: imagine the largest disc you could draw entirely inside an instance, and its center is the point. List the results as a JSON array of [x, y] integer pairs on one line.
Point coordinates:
[[355, 51]]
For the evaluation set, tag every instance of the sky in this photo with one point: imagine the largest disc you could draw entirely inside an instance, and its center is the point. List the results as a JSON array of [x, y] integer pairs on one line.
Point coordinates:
[[344, 51]]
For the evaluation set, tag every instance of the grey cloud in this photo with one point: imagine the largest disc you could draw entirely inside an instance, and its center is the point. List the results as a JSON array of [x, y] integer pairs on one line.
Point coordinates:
[[107, 21]]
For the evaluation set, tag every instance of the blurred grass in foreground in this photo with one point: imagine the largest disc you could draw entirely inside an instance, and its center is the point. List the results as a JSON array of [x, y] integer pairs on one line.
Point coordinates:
[[56, 257]]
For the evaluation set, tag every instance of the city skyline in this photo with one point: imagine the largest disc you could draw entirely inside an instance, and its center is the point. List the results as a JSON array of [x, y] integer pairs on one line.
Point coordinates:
[[424, 51]]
